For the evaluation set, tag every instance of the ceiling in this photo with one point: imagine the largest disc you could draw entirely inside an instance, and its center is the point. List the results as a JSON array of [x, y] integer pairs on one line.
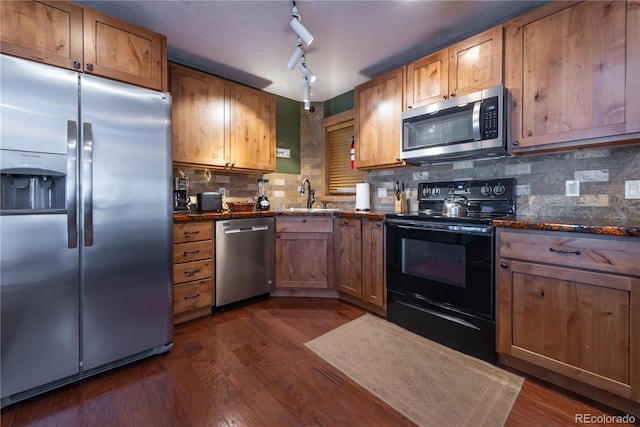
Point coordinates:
[[251, 41]]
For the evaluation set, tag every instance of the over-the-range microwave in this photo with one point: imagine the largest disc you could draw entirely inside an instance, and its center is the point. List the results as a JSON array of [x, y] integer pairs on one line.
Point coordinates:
[[466, 127]]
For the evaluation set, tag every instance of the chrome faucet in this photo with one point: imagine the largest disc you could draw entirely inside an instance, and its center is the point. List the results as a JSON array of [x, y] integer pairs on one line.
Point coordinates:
[[310, 197]]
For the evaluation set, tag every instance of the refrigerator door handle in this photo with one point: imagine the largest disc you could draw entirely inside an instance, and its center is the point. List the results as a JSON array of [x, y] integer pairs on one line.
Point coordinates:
[[72, 197], [87, 182]]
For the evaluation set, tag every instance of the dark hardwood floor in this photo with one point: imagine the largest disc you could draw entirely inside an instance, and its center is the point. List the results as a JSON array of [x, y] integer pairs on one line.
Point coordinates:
[[248, 367]]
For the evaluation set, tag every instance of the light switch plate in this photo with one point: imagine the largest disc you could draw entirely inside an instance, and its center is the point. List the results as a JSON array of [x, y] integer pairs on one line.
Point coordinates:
[[632, 189]]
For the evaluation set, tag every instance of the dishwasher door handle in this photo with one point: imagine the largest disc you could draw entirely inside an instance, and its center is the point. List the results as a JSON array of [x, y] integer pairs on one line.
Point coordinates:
[[246, 229]]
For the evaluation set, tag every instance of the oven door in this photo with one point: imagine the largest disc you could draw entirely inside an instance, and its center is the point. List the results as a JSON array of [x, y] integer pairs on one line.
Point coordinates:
[[442, 264]]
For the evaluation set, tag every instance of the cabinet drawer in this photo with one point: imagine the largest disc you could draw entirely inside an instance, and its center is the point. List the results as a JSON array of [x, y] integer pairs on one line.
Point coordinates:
[[303, 224], [568, 249], [192, 251], [192, 295], [190, 271], [192, 231]]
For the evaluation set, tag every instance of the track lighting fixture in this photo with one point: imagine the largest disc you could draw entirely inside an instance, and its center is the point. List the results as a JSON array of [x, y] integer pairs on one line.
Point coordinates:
[[306, 71], [304, 37], [300, 29], [297, 54]]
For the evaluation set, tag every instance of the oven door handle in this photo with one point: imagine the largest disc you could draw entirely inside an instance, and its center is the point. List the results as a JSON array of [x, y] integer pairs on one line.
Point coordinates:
[[480, 231], [441, 315]]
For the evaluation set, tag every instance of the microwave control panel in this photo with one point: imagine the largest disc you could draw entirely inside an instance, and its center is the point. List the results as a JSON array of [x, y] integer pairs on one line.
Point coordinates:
[[489, 119]]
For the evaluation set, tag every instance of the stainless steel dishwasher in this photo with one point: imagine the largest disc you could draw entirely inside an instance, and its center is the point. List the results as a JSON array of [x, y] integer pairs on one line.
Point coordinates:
[[245, 259]]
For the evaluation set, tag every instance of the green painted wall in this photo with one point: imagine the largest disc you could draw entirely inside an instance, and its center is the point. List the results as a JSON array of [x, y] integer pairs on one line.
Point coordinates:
[[288, 134], [339, 104]]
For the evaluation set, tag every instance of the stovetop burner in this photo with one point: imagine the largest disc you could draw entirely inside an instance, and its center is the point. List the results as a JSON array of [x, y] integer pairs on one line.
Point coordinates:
[[486, 200]]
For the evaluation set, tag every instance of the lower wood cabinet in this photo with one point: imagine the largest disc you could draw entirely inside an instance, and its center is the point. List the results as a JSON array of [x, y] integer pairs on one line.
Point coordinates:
[[304, 256], [193, 285], [568, 310], [360, 262]]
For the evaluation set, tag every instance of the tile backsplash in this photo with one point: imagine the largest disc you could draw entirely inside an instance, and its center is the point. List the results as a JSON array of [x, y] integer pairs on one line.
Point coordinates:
[[541, 179]]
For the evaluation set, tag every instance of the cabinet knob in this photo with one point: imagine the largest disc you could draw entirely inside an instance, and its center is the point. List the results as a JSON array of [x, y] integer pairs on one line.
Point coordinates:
[[515, 143], [452, 94], [304, 220], [504, 265], [345, 222], [409, 107], [76, 64], [444, 96], [89, 67], [233, 165], [277, 236], [379, 224]]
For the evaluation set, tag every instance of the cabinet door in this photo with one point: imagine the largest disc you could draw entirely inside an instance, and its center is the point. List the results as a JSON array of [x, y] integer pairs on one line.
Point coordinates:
[[476, 63], [253, 128], [573, 74], [200, 132], [349, 256], [427, 80], [576, 323], [123, 51], [375, 290], [304, 260], [49, 32], [378, 104]]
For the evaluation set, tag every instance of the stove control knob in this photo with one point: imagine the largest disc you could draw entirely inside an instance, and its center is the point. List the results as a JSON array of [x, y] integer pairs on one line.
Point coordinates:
[[435, 191], [499, 189], [485, 189], [426, 191]]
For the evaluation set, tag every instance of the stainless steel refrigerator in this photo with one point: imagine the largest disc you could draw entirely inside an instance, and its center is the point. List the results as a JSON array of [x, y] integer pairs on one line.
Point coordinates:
[[85, 226]]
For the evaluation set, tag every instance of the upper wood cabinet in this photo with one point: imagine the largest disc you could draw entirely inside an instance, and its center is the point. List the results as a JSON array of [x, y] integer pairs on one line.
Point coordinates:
[[253, 130], [199, 131], [378, 104], [220, 124], [71, 36], [573, 72], [466, 67]]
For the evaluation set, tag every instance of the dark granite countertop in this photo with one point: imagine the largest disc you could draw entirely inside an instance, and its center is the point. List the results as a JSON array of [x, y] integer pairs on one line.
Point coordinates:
[[576, 225], [210, 216]]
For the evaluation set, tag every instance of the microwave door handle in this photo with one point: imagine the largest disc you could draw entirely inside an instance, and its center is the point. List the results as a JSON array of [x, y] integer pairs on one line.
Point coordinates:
[[475, 120]]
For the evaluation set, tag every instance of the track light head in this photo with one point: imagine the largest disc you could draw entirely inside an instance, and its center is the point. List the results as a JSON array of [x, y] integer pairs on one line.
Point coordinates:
[[300, 29], [307, 104], [306, 90], [306, 71], [296, 55]]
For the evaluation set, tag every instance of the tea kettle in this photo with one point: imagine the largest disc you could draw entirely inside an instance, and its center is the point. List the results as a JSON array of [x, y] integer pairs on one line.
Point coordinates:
[[262, 204], [455, 206]]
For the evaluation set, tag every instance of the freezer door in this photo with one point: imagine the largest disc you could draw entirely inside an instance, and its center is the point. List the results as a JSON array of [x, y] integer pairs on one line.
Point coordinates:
[[37, 102], [39, 271], [125, 209]]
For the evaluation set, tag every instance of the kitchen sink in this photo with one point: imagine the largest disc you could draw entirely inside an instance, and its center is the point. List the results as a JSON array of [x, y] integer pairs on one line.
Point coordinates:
[[310, 210]]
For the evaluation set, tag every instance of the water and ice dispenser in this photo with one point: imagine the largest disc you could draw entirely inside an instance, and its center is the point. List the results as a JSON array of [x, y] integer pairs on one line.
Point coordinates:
[[31, 182]]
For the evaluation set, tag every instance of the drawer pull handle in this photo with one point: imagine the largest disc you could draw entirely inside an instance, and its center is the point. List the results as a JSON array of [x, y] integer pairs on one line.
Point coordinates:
[[191, 252], [187, 233], [190, 273], [192, 296], [565, 251]]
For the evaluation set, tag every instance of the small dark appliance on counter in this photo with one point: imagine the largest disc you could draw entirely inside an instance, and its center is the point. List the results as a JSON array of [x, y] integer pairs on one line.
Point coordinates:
[[180, 194], [210, 201], [262, 204]]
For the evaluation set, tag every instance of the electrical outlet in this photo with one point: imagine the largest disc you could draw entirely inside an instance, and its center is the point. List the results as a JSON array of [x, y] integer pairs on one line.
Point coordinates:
[[223, 191], [572, 188], [632, 189], [382, 193]]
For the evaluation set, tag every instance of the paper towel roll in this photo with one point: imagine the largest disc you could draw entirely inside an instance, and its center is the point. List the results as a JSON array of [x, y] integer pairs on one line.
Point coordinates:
[[363, 197]]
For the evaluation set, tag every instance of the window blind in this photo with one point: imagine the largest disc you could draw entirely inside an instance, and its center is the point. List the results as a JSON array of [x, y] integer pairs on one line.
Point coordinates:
[[342, 179]]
